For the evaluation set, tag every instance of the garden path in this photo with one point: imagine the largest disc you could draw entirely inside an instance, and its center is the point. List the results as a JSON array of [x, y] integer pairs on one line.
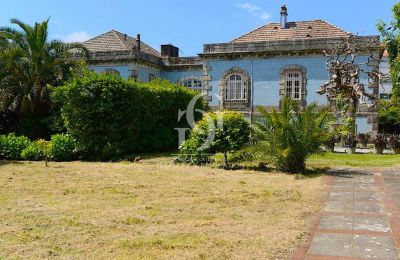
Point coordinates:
[[360, 220]]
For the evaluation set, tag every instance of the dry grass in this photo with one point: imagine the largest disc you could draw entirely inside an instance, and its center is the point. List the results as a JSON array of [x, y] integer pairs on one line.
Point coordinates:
[[147, 210]]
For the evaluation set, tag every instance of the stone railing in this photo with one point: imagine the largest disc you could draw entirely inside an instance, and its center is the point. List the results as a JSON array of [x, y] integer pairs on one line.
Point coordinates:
[[283, 46]]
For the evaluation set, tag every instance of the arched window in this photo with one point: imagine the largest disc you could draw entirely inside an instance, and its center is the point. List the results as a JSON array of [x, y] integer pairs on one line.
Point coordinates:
[[194, 84], [133, 75], [235, 89]]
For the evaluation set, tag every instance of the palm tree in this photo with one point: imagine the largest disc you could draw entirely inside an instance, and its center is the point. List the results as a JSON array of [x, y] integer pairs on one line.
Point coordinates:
[[290, 136], [29, 63]]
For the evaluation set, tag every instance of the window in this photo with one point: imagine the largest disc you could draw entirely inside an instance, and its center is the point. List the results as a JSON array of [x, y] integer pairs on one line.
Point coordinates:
[[194, 84], [235, 89], [293, 85], [152, 77], [133, 75]]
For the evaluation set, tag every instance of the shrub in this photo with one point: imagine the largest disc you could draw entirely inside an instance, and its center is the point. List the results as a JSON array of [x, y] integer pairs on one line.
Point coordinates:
[[380, 143], [290, 136], [222, 132], [363, 139], [110, 117], [393, 142], [36, 151], [350, 141], [11, 146], [61, 148]]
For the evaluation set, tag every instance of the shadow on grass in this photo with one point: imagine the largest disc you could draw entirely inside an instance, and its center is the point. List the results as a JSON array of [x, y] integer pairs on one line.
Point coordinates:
[[3, 163]]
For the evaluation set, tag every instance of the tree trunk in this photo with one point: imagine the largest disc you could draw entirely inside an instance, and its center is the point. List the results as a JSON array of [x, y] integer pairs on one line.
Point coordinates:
[[226, 160]]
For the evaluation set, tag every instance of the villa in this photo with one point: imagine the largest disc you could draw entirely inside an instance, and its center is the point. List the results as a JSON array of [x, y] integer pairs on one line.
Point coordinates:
[[259, 68]]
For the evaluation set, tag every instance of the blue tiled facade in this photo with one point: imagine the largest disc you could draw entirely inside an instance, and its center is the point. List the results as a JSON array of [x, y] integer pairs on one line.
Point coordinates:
[[259, 68], [264, 74]]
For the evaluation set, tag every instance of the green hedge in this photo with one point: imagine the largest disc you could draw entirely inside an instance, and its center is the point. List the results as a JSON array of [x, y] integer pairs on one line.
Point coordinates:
[[61, 147], [109, 116], [11, 146]]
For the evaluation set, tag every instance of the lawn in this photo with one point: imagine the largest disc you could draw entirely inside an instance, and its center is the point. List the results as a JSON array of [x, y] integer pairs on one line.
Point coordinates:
[[354, 160], [151, 210]]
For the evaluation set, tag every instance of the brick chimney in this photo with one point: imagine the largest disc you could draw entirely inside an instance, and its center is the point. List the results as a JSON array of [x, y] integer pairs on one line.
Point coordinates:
[[284, 16]]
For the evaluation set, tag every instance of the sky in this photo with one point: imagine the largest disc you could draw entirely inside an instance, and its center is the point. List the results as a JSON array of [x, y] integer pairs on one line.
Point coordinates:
[[188, 24]]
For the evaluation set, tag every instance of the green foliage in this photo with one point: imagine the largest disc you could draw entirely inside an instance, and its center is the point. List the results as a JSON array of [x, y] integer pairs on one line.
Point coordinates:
[[29, 62], [390, 111], [36, 151], [222, 132], [290, 136], [109, 116], [61, 148], [11, 146]]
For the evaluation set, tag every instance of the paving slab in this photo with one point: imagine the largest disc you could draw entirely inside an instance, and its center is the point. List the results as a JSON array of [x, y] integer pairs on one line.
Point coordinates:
[[336, 222], [371, 247], [371, 223], [326, 244]]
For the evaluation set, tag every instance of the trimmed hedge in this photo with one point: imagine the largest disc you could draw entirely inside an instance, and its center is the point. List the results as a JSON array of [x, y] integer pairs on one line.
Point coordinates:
[[109, 116], [11, 146], [60, 148]]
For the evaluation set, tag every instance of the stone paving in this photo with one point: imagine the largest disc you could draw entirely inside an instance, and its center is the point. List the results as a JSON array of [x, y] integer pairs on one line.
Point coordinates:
[[360, 220]]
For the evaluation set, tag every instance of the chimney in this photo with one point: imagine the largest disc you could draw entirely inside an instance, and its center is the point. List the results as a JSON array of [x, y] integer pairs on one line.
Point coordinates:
[[138, 42], [169, 50], [284, 16]]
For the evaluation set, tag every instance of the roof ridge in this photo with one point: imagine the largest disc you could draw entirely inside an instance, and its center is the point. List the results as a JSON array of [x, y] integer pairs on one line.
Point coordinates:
[[116, 35]]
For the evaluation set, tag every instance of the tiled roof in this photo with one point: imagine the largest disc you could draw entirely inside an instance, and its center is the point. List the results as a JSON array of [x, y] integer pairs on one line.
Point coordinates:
[[316, 29], [116, 41]]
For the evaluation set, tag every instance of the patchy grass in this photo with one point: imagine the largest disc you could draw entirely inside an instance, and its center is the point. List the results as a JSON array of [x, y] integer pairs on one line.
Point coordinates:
[[355, 160], [148, 210]]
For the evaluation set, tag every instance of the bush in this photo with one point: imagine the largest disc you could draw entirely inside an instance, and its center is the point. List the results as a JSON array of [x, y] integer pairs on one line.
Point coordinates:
[[61, 148], [36, 151], [223, 132], [363, 139], [110, 117], [11, 146], [290, 136], [380, 142]]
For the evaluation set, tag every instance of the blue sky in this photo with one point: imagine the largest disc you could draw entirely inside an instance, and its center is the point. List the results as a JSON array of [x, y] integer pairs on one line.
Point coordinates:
[[189, 24]]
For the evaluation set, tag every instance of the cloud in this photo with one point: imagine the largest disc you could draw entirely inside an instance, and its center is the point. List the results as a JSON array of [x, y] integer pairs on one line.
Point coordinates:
[[76, 37], [254, 10]]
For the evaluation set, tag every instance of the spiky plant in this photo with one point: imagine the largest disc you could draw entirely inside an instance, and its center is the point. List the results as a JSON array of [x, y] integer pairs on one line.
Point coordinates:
[[29, 62], [290, 136]]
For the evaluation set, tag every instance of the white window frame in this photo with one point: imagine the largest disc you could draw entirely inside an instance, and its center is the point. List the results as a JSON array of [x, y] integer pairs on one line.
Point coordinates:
[[235, 89], [193, 84], [294, 84]]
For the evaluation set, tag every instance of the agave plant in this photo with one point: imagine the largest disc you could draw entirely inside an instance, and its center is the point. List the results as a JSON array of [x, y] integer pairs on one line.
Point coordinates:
[[290, 136]]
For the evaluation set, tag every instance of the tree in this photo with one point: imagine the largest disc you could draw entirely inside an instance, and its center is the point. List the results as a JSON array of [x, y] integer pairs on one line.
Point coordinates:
[[222, 132], [345, 70], [29, 63], [290, 136], [390, 111]]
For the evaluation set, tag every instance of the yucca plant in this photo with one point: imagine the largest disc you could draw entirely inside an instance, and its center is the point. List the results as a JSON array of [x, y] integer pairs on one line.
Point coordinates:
[[290, 136]]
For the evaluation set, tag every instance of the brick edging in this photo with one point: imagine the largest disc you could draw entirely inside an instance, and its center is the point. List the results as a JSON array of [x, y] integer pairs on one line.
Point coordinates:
[[301, 252]]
